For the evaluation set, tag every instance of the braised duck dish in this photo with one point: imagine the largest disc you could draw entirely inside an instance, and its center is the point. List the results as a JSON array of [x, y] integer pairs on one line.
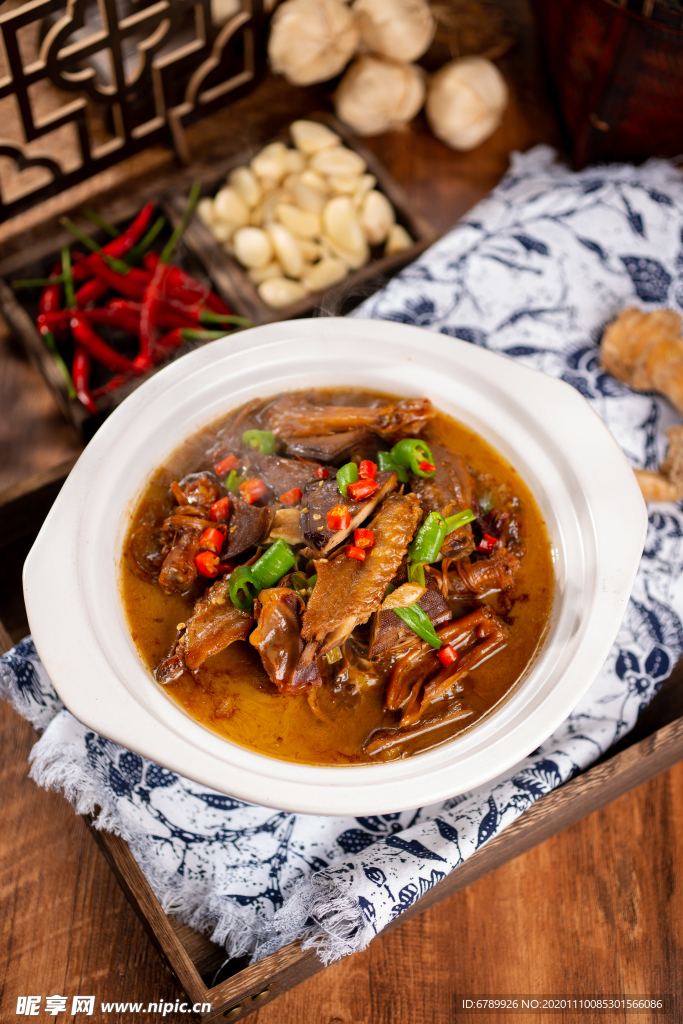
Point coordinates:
[[337, 577]]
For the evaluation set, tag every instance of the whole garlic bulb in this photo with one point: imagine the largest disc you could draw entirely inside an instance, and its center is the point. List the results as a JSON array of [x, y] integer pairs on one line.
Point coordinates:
[[377, 95], [311, 40], [401, 29], [465, 102]]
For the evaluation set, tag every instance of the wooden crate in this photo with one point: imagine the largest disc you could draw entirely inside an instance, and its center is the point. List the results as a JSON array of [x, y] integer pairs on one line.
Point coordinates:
[[193, 960], [231, 280]]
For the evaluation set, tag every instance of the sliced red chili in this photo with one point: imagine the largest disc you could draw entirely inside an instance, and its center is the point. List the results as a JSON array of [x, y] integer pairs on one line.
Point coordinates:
[[447, 655], [226, 464], [322, 473], [427, 467], [363, 538], [353, 552], [367, 470], [339, 518], [220, 510], [252, 490], [207, 564], [225, 567], [487, 543], [362, 489], [211, 540], [291, 497]]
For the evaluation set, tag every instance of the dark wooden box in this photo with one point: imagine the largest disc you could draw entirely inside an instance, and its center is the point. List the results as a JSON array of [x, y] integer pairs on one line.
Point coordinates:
[[235, 988]]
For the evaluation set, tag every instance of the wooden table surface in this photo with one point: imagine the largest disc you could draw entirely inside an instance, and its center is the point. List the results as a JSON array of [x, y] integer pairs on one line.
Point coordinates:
[[595, 911]]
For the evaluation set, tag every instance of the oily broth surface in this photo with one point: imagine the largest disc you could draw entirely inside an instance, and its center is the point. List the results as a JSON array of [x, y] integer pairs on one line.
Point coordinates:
[[231, 693]]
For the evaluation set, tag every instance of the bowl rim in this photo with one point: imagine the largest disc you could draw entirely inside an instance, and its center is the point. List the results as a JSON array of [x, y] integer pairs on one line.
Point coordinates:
[[568, 455]]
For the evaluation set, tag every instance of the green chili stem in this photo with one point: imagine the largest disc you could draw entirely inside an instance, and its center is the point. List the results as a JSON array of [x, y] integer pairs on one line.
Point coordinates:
[[69, 293], [193, 334], [50, 343], [209, 317], [118, 265], [102, 223], [261, 440], [348, 474], [139, 250], [192, 201], [38, 282], [419, 622], [274, 564]]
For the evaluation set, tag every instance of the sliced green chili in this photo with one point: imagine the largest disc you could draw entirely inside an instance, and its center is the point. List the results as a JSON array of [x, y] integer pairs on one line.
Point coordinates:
[[233, 481], [244, 587], [299, 583], [348, 474], [312, 580], [262, 440], [411, 452], [273, 564], [428, 539], [386, 462], [419, 622], [459, 519], [416, 573]]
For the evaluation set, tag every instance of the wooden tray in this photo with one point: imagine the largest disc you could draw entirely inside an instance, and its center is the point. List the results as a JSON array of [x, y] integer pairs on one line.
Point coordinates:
[[234, 285], [234, 988]]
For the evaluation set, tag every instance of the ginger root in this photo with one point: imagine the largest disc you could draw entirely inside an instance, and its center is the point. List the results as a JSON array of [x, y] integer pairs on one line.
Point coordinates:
[[645, 351], [667, 485]]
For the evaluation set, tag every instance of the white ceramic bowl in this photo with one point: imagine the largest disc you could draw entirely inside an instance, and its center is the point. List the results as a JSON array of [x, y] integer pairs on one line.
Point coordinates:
[[585, 489]]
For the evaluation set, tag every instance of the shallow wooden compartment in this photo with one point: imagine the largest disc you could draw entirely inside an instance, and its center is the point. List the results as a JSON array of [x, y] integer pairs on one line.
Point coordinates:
[[233, 987]]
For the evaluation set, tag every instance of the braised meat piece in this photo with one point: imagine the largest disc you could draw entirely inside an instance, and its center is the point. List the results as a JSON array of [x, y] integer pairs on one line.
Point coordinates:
[[201, 489], [450, 490], [330, 447], [418, 679], [347, 592], [248, 526], [179, 571], [473, 579], [279, 474], [294, 416], [390, 633], [320, 496], [444, 713], [214, 624], [277, 638]]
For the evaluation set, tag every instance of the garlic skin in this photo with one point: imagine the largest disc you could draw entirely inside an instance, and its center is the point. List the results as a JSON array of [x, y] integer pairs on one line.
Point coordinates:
[[378, 95], [465, 102], [311, 40], [400, 29]]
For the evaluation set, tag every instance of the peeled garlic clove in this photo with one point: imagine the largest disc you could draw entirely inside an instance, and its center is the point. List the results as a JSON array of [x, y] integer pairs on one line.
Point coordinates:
[[296, 161], [229, 209], [377, 217], [325, 273], [398, 240], [279, 291], [246, 185], [354, 260], [400, 29], [308, 198], [341, 225], [379, 95], [311, 251], [311, 136], [286, 249], [311, 40], [466, 101], [301, 222], [343, 184], [253, 247], [364, 184], [260, 274], [205, 211], [270, 165], [337, 160], [221, 231], [270, 202]]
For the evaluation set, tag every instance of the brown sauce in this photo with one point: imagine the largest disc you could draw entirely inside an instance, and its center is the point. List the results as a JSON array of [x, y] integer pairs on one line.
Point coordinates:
[[231, 693]]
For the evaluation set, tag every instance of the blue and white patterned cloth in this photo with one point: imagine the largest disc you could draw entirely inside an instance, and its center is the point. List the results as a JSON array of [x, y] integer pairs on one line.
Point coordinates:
[[534, 272]]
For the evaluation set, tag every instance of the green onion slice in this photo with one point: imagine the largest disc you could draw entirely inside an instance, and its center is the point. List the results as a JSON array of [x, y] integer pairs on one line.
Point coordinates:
[[233, 481], [262, 440]]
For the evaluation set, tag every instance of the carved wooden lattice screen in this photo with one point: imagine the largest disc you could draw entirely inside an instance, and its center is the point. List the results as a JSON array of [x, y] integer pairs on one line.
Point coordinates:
[[96, 81]]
